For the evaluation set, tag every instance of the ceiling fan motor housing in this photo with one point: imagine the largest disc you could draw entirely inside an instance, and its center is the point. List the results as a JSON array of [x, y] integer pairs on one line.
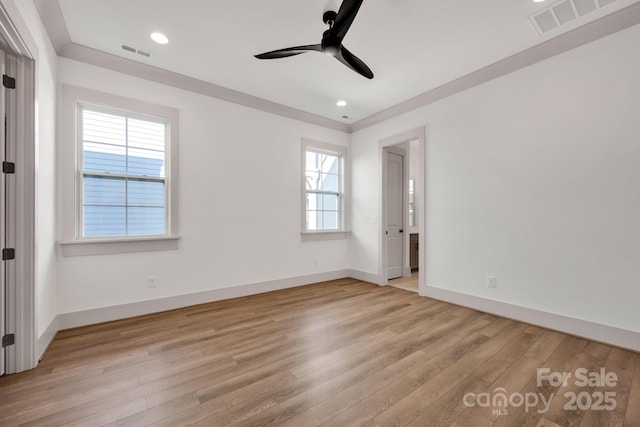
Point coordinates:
[[330, 45]]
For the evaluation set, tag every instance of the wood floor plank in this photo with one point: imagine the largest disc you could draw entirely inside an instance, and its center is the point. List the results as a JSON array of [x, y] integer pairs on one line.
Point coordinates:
[[434, 387], [336, 356], [622, 363], [441, 326], [338, 353], [632, 417], [241, 400], [448, 408], [357, 392], [63, 409], [512, 353], [149, 415], [558, 411], [511, 381], [561, 359], [423, 396], [545, 346], [372, 405], [312, 388], [107, 416], [546, 423], [305, 419]]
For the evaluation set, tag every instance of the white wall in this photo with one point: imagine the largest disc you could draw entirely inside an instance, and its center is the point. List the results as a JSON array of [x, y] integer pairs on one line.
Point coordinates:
[[533, 178], [46, 269], [239, 199]]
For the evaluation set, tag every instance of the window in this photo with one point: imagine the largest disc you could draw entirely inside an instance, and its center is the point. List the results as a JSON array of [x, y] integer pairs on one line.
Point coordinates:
[[324, 183], [121, 195], [123, 173]]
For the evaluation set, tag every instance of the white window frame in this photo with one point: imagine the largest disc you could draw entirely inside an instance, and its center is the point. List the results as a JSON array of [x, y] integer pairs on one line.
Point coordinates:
[[74, 243], [343, 153]]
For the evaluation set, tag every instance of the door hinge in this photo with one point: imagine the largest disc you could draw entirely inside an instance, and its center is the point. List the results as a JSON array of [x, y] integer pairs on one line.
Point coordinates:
[[7, 340], [8, 167], [8, 254], [8, 82]]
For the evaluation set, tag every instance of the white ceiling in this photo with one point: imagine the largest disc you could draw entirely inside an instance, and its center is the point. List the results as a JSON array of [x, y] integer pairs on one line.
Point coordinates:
[[412, 46]]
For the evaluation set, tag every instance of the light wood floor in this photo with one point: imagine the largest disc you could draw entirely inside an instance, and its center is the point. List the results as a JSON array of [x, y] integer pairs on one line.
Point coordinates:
[[334, 354], [408, 283]]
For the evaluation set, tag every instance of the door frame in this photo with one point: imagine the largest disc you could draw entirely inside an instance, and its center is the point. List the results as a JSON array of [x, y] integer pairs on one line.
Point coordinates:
[[417, 134], [18, 43], [4, 222]]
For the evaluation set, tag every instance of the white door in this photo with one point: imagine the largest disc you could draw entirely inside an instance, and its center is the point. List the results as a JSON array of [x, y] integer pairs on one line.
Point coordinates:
[[394, 218], [7, 218], [3, 216]]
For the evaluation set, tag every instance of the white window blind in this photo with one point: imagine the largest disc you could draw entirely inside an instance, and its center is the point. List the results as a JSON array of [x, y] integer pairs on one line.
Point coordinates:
[[324, 190], [123, 181]]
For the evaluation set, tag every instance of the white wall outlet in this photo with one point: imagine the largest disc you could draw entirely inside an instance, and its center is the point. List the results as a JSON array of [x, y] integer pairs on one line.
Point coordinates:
[[151, 282], [315, 262], [491, 281]]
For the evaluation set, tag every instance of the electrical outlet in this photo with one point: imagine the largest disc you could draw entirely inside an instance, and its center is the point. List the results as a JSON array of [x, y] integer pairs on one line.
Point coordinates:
[[151, 282], [491, 281], [315, 262]]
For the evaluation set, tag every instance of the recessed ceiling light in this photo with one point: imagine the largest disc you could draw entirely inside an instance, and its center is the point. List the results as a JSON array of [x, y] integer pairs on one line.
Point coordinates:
[[341, 103], [159, 38], [538, 1]]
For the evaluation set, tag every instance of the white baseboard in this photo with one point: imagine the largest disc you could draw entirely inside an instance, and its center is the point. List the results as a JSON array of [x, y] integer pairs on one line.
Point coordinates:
[[365, 277], [583, 328], [107, 314], [47, 336]]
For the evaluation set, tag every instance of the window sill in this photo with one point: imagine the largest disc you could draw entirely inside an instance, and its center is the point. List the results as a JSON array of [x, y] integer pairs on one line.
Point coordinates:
[[119, 246], [309, 236]]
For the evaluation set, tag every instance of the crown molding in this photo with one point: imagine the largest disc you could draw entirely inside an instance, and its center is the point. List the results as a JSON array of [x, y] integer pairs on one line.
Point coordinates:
[[609, 24], [53, 20], [144, 71]]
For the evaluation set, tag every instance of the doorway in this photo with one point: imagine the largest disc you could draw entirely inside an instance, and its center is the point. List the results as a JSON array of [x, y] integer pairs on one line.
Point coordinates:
[[17, 195], [402, 214], [394, 210]]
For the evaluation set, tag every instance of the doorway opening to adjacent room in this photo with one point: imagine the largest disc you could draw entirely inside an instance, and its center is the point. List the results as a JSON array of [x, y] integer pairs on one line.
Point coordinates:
[[401, 211], [17, 199]]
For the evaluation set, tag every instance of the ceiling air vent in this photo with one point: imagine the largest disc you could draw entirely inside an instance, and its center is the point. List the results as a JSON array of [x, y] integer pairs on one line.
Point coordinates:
[[132, 49], [563, 12]]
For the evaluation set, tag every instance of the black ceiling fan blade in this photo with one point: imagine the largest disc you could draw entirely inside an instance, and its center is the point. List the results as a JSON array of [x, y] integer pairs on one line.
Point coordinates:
[[353, 62], [344, 19], [290, 51]]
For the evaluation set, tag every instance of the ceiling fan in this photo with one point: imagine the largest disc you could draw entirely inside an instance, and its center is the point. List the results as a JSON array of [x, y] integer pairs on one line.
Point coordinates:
[[331, 43]]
